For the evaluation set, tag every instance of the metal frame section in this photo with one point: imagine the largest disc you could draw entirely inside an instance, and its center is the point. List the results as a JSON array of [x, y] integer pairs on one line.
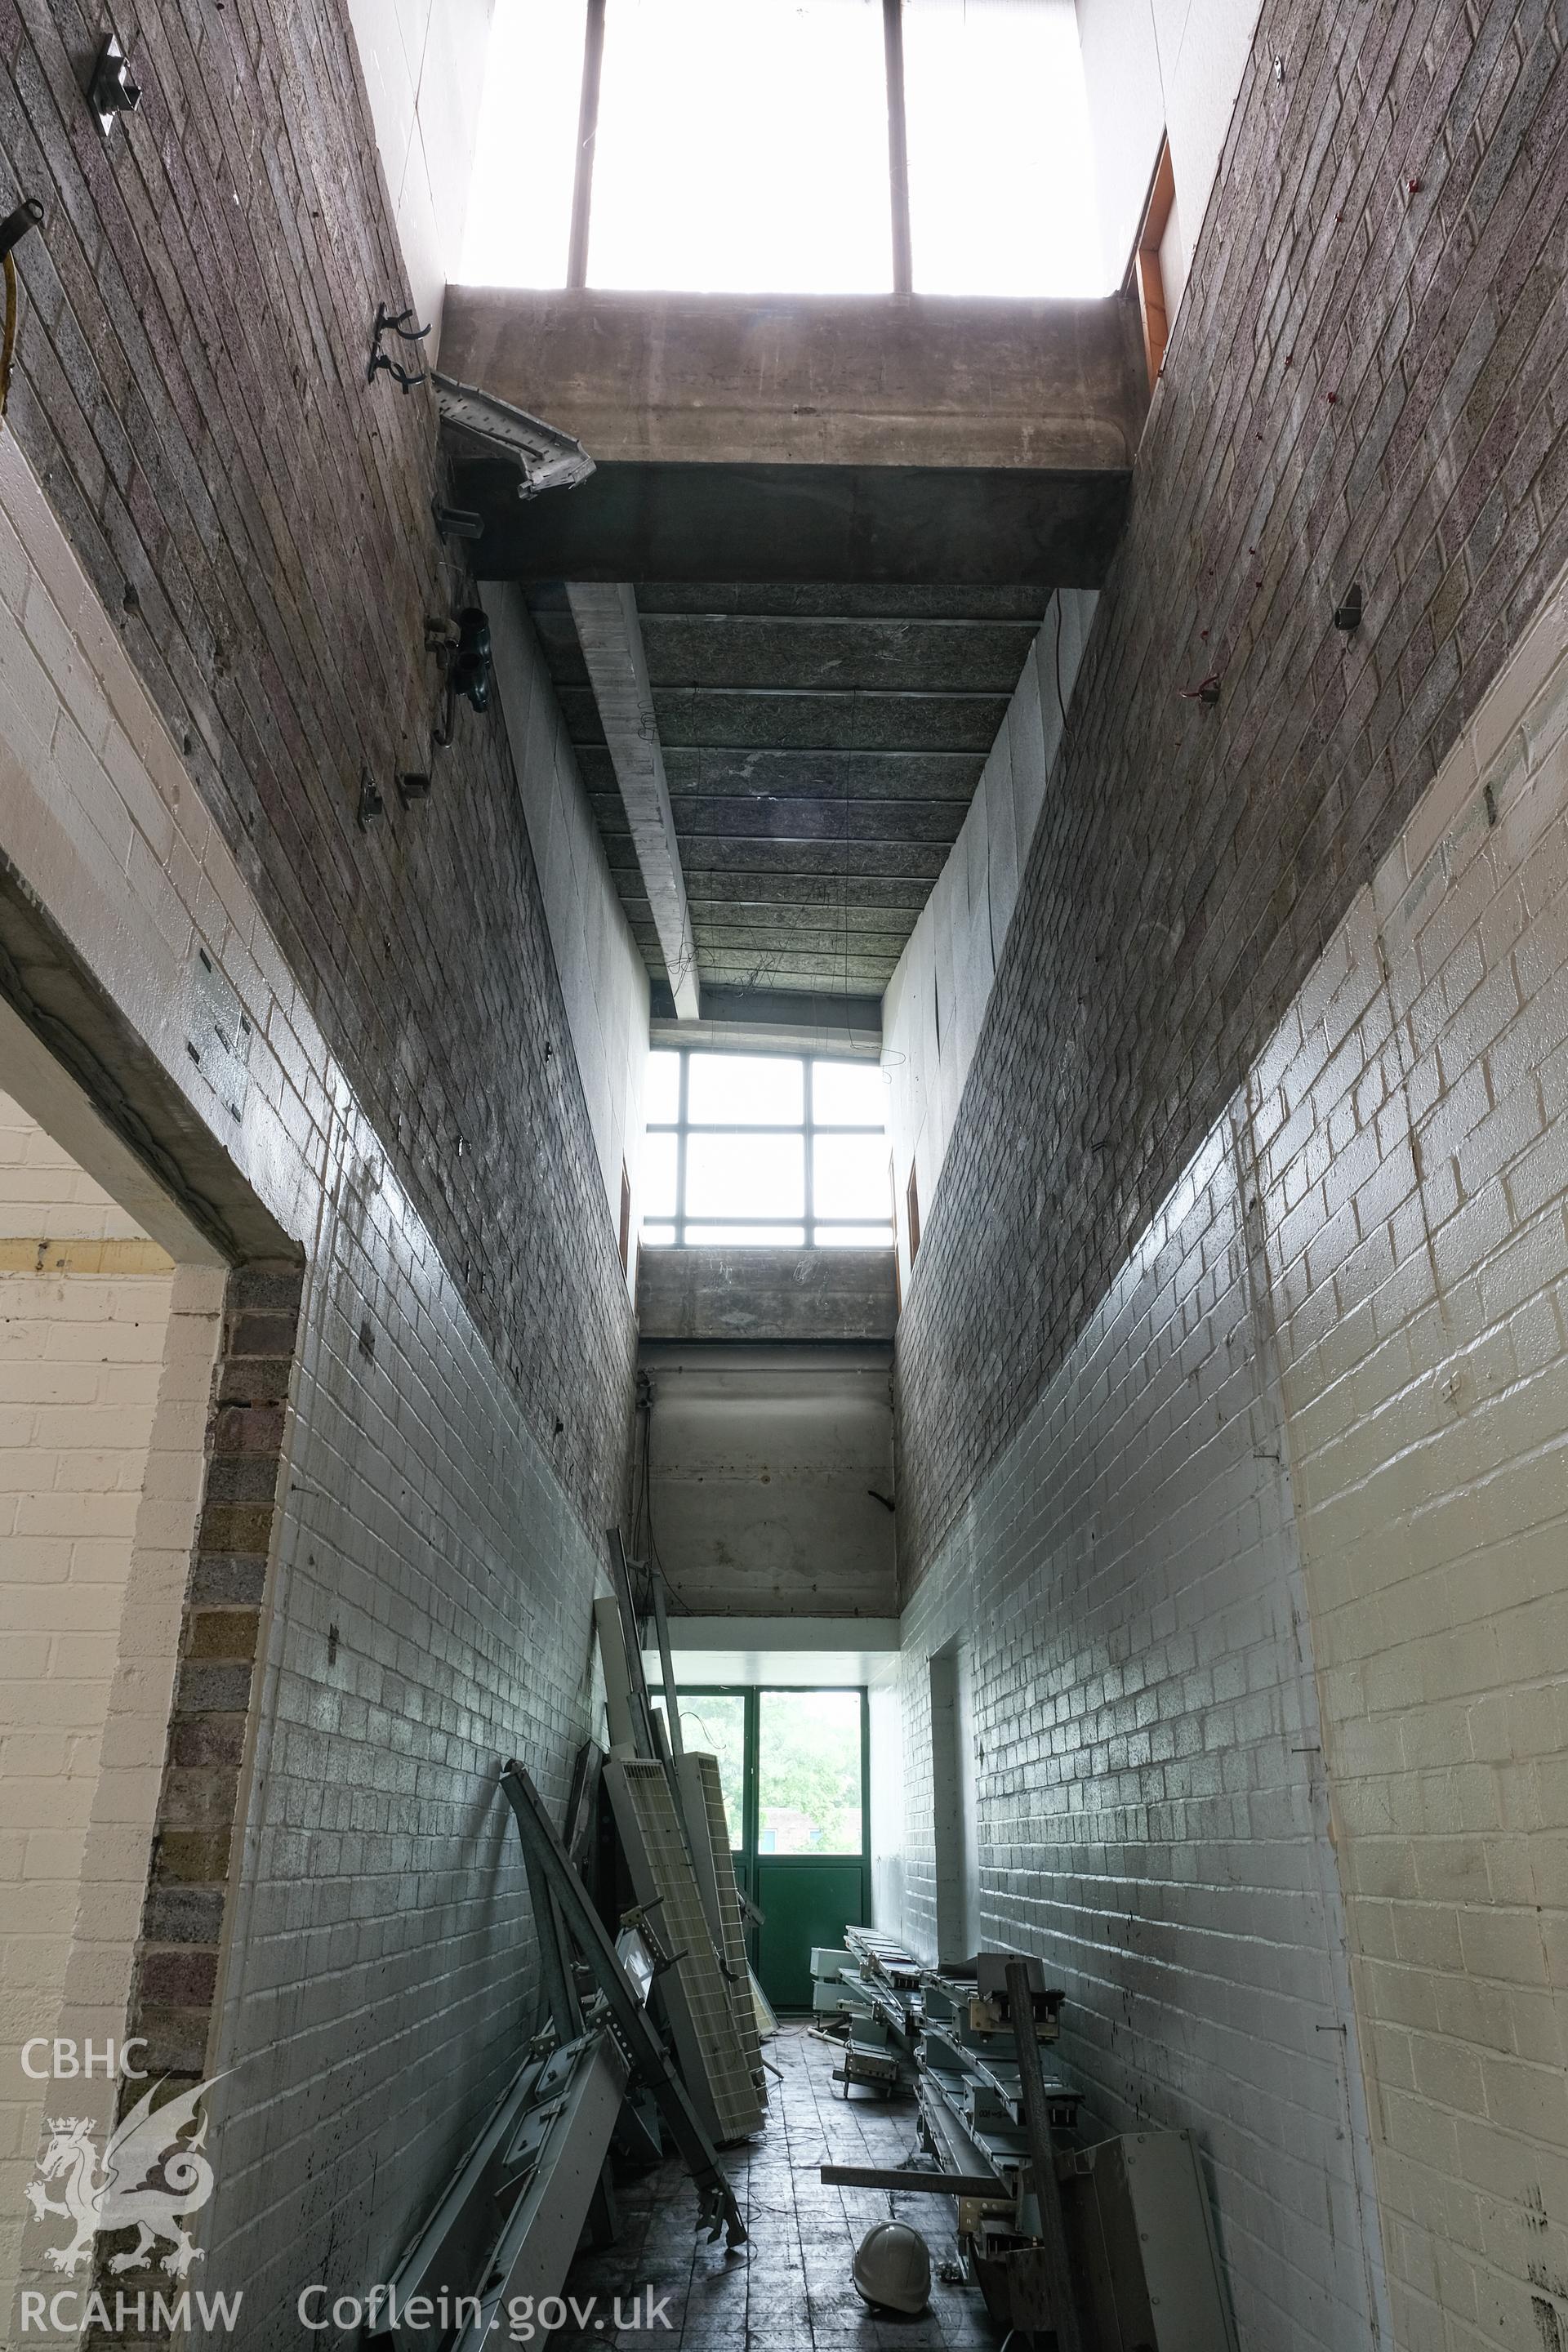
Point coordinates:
[[547, 458], [1109, 2244], [587, 140], [610, 635], [558, 2152], [1021, 2001], [449, 2248], [807, 1126], [898, 146], [509, 2220], [697, 2000], [716, 2200]]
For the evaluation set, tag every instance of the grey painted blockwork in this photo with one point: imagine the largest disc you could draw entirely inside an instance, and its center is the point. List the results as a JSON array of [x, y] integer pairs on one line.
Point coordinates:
[[429, 1617], [1152, 1812]]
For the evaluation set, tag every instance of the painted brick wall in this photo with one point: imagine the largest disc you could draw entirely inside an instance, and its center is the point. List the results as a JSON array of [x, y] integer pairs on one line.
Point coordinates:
[[429, 1617], [377, 1965], [191, 388], [1268, 1600], [44, 1193], [1411, 1126], [1368, 384], [1149, 1800], [81, 1355]]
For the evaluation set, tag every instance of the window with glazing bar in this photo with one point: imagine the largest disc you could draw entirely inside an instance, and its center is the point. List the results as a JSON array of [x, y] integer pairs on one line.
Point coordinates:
[[767, 1150]]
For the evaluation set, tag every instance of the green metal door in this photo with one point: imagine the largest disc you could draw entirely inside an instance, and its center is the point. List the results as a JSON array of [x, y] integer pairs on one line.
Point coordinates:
[[793, 1765]]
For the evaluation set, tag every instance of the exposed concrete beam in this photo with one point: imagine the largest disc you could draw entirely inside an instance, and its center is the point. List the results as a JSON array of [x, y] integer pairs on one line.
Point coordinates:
[[780, 1021], [810, 438], [820, 380], [611, 637], [748, 1294]]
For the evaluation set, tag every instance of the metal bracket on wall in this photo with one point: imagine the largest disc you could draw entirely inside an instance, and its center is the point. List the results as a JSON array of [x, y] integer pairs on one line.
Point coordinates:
[[113, 91], [388, 323]]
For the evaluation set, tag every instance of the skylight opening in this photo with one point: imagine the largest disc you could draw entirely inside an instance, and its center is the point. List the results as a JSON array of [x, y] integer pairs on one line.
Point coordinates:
[[999, 149], [519, 222], [765, 1150], [743, 146]]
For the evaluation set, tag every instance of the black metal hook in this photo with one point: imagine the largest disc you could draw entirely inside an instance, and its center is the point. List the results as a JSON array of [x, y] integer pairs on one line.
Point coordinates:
[[388, 323]]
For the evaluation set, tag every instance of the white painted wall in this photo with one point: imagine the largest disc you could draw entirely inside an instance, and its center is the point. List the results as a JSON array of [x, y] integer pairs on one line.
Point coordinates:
[[96, 1339], [372, 1997], [1153, 67], [603, 976], [1411, 1128], [44, 1192], [424, 63], [942, 980], [1268, 1602]]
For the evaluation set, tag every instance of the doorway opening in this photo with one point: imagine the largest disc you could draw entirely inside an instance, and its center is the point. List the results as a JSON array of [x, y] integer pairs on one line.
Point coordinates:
[[795, 1766], [954, 1826]]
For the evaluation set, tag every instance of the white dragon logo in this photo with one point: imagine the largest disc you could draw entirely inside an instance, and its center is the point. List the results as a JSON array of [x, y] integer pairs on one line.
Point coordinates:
[[151, 2179]]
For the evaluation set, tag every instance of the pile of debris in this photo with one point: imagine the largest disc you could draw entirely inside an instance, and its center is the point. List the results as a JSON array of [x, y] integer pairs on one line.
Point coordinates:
[[650, 2026], [1080, 2245]]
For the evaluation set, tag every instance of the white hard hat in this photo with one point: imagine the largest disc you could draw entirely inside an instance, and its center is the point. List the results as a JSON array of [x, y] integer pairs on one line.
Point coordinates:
[[893, 2267]]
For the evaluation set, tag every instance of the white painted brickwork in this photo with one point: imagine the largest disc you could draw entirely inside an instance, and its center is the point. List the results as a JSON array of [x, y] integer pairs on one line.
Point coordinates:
[[81, 1357], [1413, 1123], [44, 1192], [423, 65], [603, 978], [936, 999], [386, 1969], [93, 1579], [1128, 1582], [1366, 1272], [381, 1964]]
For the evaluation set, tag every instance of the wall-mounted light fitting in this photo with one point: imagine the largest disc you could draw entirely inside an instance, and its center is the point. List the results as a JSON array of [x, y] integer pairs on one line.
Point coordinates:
[[412, 788], [464, 646], [1347, 611], [370, 804], [113, 91]]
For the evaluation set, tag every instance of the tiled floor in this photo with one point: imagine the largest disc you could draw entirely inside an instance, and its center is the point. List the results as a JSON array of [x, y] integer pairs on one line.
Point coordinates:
[[789, 2288]]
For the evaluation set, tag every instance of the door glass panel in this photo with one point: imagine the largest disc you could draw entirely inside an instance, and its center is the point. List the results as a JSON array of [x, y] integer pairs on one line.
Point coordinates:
[[713, 1723], [808, 1772]]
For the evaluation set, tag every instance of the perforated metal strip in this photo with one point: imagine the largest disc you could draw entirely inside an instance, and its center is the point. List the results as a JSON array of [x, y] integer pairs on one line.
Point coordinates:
[[732, 1922]]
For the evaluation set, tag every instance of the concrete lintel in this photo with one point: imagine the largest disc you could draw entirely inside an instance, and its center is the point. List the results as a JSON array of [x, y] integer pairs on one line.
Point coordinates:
[[872, 380], [611, 637], [745, 1293]]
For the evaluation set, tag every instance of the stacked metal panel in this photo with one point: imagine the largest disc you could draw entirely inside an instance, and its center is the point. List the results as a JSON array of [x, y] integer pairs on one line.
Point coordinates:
[[697, 2000], [703, 1795]]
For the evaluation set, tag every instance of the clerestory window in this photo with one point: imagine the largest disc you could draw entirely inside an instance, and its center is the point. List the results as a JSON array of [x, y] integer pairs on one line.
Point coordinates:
[[767, 1150], [785, 147]]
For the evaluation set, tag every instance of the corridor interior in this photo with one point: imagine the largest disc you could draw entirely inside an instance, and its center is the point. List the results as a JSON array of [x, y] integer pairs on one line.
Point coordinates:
[[784, 1175]]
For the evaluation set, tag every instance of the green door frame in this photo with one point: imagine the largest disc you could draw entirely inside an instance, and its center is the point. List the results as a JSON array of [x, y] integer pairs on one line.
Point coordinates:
[[746, 1861]]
